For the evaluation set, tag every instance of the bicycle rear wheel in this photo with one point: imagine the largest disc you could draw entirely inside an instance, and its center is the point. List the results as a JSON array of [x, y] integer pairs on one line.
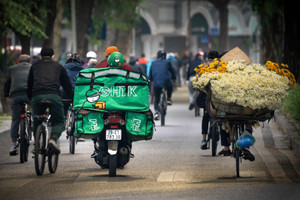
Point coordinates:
[[29, 127], [40, 150], [23, 142], [237, 150], [163, 108], [72, 144], [70, 131], [214, 138], [52, 162]]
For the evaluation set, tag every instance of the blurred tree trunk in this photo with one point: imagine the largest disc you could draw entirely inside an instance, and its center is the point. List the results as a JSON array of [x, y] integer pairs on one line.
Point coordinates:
[[58, 27], [25, 43], [3, 100], [51, 5], [125, 42], [84, 10], [221, 5], [292, 32]]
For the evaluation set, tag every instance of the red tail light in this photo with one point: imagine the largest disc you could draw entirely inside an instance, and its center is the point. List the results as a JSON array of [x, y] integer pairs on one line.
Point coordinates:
[[114, 127], [114, 119]]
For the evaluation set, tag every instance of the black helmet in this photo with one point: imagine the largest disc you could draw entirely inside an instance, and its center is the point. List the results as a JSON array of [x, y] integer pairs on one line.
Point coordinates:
[[72, 57], [162, 54]]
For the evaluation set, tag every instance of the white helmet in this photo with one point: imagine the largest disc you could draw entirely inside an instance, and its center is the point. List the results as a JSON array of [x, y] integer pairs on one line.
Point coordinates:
[[91, 54]]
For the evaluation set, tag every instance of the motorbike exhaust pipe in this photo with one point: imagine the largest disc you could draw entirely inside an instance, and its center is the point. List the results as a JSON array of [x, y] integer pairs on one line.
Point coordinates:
[[124, 150]]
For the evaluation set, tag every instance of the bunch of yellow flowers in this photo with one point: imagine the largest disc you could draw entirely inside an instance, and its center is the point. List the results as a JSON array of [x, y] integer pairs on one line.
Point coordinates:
[[281, 70], [216, 65]]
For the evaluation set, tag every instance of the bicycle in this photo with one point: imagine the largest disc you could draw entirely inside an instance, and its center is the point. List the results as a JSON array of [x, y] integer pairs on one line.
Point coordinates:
[[25, 133], [70, 126], [163, 106], [42, 137]]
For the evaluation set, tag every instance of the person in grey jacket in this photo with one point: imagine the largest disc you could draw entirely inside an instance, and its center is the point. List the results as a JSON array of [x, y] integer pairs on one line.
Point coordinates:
[[15, 88]]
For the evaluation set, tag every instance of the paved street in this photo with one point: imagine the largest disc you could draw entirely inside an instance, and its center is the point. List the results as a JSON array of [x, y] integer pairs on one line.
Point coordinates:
[[170, 166]]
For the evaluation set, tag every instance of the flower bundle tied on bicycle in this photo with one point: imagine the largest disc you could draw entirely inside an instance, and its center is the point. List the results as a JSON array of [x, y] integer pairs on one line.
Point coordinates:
[[239, 89]]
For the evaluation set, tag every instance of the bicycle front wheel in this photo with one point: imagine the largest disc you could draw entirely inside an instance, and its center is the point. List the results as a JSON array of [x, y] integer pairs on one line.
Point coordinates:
[[40, 150], [52, 162]]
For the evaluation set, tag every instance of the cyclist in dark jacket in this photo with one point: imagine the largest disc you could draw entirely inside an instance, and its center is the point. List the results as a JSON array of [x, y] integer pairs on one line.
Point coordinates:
[[44, 81], [73, 66], [15, 88], [161, 74]]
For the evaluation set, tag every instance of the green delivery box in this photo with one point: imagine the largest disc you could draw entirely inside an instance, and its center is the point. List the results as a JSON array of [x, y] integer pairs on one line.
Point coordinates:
[[111, 89]]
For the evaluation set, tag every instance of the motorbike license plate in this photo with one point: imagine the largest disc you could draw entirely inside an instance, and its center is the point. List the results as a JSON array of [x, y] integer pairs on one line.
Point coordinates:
[[113, 134]]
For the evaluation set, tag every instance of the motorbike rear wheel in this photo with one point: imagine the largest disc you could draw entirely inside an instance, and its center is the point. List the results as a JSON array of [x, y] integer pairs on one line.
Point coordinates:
[[112, 165]]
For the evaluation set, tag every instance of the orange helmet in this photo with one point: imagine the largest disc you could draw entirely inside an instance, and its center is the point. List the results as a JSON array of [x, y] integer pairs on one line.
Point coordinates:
[[111, 49]]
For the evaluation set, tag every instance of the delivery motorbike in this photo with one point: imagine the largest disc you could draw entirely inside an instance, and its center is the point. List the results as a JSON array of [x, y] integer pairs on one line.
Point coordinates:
[[112, 108], [112, 146]]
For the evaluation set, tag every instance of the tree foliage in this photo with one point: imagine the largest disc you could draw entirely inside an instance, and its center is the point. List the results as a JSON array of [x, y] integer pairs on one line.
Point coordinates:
[[118, 15], [17, 15], [280, 31]]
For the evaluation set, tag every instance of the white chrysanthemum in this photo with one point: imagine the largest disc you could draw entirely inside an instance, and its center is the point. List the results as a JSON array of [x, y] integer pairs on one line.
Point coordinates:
[[247, 85]]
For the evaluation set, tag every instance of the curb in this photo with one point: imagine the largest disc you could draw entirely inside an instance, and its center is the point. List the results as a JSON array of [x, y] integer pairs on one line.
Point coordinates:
[[289, 130], [5, 126]]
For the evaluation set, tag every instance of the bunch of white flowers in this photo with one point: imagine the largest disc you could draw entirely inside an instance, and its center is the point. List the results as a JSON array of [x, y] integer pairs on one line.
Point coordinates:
[[250, 86]]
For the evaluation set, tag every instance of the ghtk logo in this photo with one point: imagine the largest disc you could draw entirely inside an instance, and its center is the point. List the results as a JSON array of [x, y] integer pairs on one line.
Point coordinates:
[[136, 124], [118, 91], [94, 126]]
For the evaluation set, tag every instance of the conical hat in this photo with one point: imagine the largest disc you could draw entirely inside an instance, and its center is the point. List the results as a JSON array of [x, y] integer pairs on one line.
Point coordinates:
[[236, 54]]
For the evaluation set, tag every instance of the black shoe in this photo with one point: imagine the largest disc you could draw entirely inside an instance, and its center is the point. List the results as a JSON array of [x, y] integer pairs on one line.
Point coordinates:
[[156, 116], [225, 153], [204, 145], [191, 107], [13, 150], [94, 154], [247, 155]]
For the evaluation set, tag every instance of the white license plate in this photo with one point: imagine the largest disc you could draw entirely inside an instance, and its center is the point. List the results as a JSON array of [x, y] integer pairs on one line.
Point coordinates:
[[113, 134]]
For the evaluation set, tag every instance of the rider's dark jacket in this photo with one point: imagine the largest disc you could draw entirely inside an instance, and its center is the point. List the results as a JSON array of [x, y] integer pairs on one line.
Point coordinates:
[[73, 69], [17, 83], [161, 71], [46, 77]]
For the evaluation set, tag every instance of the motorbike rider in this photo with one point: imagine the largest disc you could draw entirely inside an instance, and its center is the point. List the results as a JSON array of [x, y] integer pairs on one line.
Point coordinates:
[[89, 55], [104, 63], [161, 74], [114, 60]]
